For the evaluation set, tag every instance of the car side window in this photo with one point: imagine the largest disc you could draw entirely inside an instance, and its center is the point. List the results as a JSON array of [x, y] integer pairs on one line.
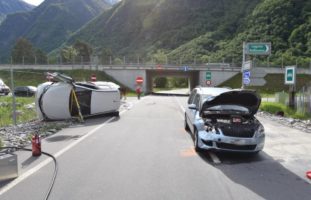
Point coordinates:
[[197, 101], [192, 95]]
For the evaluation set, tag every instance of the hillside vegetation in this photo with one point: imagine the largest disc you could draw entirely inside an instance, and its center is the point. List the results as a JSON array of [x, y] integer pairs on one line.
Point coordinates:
[[13, 6], [48, 25], [207, 30]]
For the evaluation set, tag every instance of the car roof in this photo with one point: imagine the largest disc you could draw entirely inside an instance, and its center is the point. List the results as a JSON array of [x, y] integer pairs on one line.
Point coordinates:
[[212, 91]]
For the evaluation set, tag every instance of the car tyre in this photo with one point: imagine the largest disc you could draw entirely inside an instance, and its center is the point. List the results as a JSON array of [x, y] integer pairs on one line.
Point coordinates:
[[116, 114], [196, 141], [186, 124]]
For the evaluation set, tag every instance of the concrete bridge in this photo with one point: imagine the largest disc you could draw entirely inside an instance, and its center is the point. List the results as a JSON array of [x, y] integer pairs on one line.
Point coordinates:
[[196, 74]]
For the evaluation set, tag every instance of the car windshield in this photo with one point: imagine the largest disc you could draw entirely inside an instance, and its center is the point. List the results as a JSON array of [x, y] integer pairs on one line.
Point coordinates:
[[234, 108]]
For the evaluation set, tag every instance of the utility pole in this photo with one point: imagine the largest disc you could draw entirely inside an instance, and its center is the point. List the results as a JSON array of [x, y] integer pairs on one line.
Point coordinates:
[[13, 95], [243, 61]]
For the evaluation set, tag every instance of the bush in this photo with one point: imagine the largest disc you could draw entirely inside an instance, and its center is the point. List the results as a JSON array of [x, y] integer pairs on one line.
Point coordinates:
[[274, 108]]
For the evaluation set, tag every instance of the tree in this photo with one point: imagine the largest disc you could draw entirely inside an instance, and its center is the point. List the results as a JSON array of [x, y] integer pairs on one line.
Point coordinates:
[[159, 57], [105, 56], [84, 50], [68, 54], [23, 52], [41, 57]]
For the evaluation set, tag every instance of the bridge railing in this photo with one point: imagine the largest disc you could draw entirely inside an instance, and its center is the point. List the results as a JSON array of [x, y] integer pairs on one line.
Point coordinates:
[[208, 66]]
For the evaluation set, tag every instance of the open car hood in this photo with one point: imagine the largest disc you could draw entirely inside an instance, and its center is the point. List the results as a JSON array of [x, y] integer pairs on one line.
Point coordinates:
[[246, 98]]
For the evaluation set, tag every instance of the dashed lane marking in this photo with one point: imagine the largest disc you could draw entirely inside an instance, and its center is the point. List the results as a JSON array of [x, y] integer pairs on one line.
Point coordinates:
[[214, 157]]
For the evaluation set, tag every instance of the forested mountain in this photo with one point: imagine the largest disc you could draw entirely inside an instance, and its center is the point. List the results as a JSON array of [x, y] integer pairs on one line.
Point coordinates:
[[48, 25], [13, 6], [206, 29]]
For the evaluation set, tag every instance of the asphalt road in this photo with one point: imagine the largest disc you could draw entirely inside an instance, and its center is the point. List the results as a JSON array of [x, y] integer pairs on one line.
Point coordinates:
[[146, 154]]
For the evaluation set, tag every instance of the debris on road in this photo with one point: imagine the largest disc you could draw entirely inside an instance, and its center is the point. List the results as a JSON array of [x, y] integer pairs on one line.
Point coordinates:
[[303, 125]]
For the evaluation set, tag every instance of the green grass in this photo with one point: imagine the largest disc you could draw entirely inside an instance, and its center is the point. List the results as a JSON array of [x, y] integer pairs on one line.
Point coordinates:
[[24, 114], [36, 77], [273, 108]]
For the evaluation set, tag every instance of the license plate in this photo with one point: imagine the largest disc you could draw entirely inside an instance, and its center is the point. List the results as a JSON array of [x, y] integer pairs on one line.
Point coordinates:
[[238, 141]]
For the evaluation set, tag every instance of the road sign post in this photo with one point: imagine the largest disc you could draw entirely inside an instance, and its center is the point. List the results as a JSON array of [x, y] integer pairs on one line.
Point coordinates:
[[139, 80], [290, 79], [208, 78], [290, 75], [253, 48], [260, 48], [246, 77]]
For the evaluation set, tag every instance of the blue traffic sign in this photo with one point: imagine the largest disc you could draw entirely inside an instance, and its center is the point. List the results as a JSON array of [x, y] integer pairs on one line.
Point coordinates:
[[246, 74], [246, 81], [185, 68]]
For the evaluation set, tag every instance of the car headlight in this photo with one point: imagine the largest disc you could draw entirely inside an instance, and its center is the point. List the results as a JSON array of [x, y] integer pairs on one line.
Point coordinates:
[[260, 132]]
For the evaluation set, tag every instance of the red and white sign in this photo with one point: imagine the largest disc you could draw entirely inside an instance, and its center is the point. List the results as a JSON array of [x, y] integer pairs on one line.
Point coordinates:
[[139, 80], [208, 82], [93, 78]]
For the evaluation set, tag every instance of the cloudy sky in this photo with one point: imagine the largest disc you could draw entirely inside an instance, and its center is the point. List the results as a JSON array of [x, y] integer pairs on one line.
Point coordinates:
[[34, 2]]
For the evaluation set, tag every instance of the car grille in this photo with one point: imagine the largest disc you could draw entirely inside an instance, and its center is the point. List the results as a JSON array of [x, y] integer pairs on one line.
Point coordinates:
[[235, 147], [241, 131]]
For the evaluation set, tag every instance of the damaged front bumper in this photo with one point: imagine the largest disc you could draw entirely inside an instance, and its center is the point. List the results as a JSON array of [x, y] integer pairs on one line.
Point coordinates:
[[219, 142]]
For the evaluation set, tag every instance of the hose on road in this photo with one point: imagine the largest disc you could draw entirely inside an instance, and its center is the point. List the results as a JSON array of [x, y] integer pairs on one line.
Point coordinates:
[[47, 154]]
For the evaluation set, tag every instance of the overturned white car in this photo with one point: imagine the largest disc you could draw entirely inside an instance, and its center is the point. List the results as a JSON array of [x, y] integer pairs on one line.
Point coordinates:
[[67, 99]]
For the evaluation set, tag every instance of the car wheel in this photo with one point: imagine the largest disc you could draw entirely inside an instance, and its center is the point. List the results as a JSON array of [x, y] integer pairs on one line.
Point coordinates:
[[116, 114], [196, 141], [186, 124]]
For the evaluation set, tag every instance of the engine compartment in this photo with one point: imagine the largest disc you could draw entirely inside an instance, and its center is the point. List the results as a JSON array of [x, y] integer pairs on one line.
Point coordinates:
[[232, 125]]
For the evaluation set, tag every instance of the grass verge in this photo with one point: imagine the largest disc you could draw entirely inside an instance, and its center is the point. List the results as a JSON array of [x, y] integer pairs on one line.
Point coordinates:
[[273, 108], [24, 113]]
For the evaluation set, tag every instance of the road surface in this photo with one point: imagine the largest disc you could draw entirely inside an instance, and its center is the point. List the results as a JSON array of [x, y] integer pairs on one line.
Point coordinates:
[[146, 154]]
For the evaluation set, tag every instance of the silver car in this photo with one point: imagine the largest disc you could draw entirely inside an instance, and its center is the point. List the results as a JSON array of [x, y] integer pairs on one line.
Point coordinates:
[[223, 119]]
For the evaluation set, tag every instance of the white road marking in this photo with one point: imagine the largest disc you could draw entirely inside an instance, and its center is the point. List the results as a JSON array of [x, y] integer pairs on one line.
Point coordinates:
[[214, 157], [181, 107], [56, 155]]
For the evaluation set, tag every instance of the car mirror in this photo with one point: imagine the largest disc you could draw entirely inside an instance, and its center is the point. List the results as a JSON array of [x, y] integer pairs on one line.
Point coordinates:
[[192, 106]]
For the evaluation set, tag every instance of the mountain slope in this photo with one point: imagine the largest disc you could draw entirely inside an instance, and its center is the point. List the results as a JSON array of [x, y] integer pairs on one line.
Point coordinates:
[[210, 30], [284, 23], [48, 25], [13, 6], [137, 25]]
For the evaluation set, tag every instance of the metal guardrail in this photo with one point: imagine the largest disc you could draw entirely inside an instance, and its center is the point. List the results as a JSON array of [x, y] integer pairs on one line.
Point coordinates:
[[212, 67]]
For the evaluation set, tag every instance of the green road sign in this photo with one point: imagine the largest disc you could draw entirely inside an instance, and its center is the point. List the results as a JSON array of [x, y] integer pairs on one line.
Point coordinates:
[[208, 76], [258, 48], [290, 75]]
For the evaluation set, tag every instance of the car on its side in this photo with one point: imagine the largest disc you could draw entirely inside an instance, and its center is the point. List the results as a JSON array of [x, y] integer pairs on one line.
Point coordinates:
[[223, 119], [64, 99], [25, 91], [4, 89]]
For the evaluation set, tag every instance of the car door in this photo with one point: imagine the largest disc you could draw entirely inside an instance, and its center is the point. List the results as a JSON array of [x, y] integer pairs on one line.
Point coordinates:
[[188, 111], [193, 113]]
